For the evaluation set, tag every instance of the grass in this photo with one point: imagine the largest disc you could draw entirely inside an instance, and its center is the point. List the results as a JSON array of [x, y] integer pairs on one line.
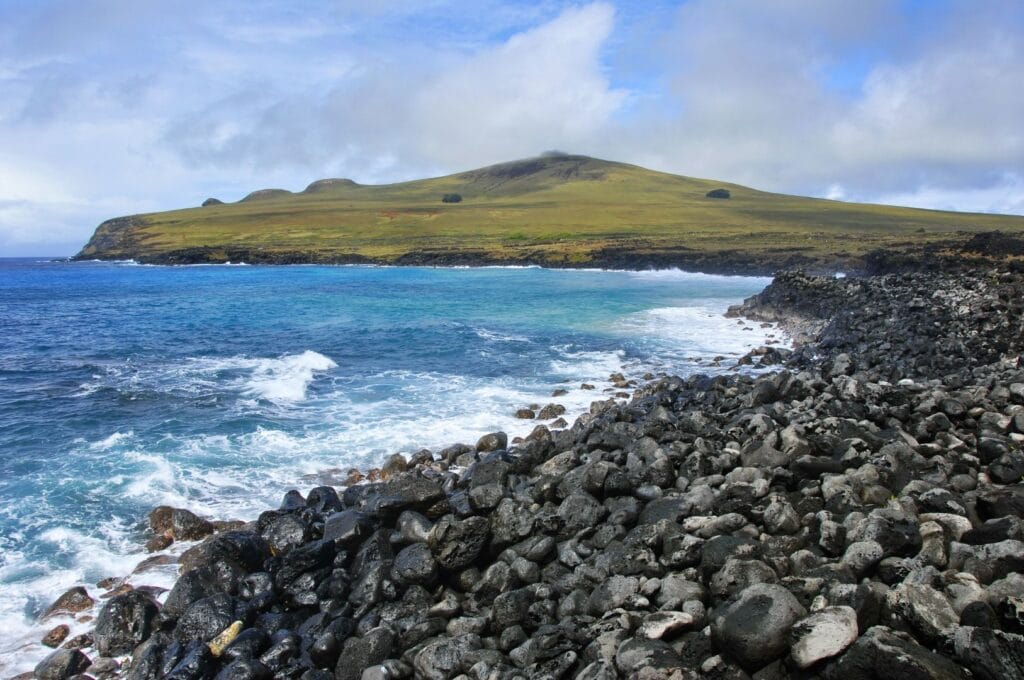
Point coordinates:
[[561, 209]]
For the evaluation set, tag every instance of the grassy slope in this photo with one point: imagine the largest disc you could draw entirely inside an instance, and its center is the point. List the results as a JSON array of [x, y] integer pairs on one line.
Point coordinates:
[[555, 210]]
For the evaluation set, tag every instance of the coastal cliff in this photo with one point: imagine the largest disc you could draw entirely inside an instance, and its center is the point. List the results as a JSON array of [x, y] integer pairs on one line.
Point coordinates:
[[853, 510]]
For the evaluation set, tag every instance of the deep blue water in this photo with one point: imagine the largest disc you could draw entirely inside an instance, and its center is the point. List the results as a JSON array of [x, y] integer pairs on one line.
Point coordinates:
[[219, 387]]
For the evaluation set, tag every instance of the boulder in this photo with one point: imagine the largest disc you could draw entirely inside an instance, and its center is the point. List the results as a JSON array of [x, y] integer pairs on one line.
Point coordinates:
[[61, 665], [990, 654], [455, 543], [443, 658], [882, 653], [822, 635], [73, 601], [754, 630], [125, 621], [359, 653], [495, 441], [415, 564]]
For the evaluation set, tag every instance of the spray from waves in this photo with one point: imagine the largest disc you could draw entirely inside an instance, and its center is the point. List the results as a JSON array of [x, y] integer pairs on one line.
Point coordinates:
[[699, 330], [286, 379], [283, 380]]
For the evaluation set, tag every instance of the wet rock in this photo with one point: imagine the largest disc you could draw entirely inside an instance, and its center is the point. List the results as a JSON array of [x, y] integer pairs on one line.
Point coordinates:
[[187, 526], [124, 622], [822, 635], [243, 550], [73, 601], [61, 665], [347, 527], [360, 653], [244, 669], [415, 564], [56, 636], [495, 441], [286, 532], [206, 618], [197, 663], [753, 631], [551, 411]]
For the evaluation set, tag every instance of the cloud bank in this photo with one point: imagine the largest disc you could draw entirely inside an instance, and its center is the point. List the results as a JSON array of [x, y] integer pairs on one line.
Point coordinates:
[[110, 107]]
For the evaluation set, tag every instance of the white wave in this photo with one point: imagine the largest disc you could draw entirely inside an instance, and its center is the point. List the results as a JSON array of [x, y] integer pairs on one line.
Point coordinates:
[[287, 378], [702, 330], [112, 441], [589, 365], [26, 589], [485, 334]]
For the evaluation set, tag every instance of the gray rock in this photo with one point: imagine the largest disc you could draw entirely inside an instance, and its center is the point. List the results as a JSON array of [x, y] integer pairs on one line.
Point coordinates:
[[615, 592], [862, 556], [990, 654], [881, 654], [897, 532], [924, 609], [753, 631], [443, 658], [738, 575], [637, 653], [665, 625], [286, 532], [124, 622], [456, 544], [781, 518], [822, 635]]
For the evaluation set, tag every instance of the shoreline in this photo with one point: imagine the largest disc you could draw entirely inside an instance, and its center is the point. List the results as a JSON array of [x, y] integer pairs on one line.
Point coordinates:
[[839, 489], [961, 251]]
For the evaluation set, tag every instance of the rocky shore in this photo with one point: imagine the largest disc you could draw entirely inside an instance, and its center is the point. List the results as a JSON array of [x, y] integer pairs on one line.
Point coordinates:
[[855, 513]]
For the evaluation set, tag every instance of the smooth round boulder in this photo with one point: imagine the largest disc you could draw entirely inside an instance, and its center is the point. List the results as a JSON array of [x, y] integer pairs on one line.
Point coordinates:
[[754, 630], [124, 622], [495, 441]]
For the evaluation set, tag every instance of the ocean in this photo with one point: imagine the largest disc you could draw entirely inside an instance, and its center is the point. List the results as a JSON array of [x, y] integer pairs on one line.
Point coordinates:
[[218, 388]]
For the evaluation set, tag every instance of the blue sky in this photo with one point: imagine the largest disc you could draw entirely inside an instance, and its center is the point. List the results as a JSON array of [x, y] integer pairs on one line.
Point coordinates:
[[111, 107]]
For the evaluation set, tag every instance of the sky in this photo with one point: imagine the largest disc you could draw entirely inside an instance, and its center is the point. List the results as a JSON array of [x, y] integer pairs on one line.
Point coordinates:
[[115, 107]]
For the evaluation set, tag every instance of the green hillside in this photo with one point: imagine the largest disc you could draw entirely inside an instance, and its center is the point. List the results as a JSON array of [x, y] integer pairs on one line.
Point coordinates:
[[560, 210]]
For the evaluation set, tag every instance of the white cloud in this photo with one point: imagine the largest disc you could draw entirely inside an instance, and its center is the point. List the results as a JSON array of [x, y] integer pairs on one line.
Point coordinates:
[[540, 89], [1004, 195]]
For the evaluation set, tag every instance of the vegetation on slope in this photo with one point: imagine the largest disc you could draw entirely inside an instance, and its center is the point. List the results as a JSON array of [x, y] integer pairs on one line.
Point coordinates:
[[553, 210]]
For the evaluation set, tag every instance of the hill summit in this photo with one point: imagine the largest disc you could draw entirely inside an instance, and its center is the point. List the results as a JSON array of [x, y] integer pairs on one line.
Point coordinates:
[[554, 210]]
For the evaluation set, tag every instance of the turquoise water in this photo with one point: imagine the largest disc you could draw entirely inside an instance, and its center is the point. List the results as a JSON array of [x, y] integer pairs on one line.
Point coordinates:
[[220, 387]]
